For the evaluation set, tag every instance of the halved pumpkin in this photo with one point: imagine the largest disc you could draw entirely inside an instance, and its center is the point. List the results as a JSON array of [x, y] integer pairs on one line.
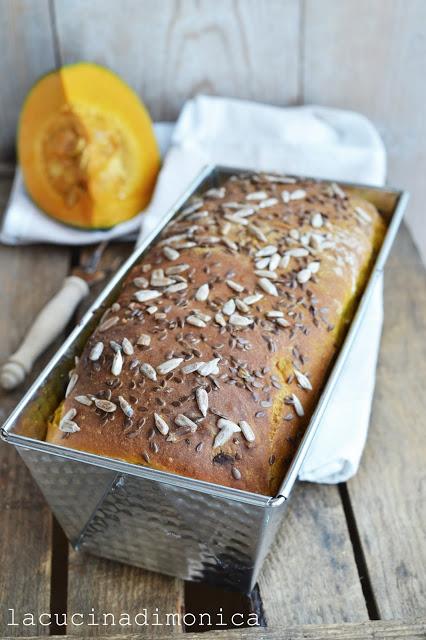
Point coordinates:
[[86, 147]]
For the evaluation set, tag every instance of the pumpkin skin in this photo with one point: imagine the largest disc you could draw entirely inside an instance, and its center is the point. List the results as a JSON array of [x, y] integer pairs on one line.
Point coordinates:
[[86, 147]]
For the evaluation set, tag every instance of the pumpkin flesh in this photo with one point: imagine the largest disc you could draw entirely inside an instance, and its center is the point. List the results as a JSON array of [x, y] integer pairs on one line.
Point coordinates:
[[87, 147]]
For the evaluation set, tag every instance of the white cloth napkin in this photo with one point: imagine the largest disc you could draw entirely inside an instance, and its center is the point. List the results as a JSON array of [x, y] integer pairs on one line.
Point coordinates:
[[313, 141]]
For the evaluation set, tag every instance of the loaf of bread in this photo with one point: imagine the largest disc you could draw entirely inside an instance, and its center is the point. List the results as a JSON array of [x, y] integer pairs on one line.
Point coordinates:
[[211, 361]]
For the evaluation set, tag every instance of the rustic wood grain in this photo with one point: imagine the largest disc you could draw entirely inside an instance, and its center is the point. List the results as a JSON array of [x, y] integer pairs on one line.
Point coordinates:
[[109, 586], [371, 57], [27, 52], [310, 574], [29, 277], [115, 588], [390, 630], [389, 493], [243, 49]]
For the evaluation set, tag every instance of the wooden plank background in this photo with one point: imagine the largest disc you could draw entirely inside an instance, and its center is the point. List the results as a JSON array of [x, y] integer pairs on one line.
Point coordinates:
[[356, 54], [395, 630]]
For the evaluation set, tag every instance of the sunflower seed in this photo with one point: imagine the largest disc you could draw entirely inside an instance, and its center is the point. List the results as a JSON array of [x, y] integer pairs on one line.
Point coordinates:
[[266, 251], [230, 244], [203, 316], [179, 268], [282, 322], [269, 202], [144, 340], [141, 282], [216, 193], [338, 191], [174, 288], [240, 321], [195, 321], [186, 245], [220, 319], [70, 414], [274, 262], [246, 212], [279, 179], [234, 205], [147, 294], [83, 400], [71, 384], [192, 207], [241, 306], [179, 434], [285, 261], [236, 219], [225, 423], [68, 426], [209, 239], [170, 254], [161, 280], [125, 407], [202, 400], [298, 194], [227, 430], [236, 473], [96, 351], [202, 293], [247, 431], [148, 371], [190, 368], [255, 297], [362, 215], [262, 273], [285, 196], [127, 347], [161, 424], [304, 275], [274, 314], [235, 286], [298, 252], [229, 307], [294, 400], [107, 324], [317, 220], [209, 368], [257, 195], [303, 380], [115, 346], [169, 365], [263, 262], [258, 233], [268, 286], [177, 237], [105, 405], [314, 267], [183, 421], [117, 364]]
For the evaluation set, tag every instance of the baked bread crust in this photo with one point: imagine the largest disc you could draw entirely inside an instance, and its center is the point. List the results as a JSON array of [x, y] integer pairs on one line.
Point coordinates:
[[293, 258]]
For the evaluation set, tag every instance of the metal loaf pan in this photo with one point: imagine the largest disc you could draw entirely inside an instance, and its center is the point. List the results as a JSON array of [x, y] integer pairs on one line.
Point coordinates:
[[163, 522]]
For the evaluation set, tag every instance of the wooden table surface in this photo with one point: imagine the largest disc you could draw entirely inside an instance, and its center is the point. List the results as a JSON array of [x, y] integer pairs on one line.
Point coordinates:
[[349, 560]]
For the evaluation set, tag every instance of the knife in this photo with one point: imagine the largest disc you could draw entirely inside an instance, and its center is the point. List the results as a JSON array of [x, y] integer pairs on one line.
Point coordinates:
[[54, 317]]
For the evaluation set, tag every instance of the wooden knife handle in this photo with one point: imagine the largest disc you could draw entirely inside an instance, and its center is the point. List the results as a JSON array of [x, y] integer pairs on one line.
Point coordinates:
[[47, 326]]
